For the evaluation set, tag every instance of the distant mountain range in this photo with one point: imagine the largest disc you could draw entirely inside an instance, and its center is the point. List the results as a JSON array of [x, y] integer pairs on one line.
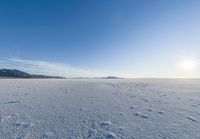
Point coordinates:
[[13, 73]]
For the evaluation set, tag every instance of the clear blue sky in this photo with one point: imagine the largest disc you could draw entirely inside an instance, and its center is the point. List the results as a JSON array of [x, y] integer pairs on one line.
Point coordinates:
[[131, 38]]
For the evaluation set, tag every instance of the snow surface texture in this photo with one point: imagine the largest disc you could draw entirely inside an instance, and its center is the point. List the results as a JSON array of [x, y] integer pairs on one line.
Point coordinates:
[[95, 109]]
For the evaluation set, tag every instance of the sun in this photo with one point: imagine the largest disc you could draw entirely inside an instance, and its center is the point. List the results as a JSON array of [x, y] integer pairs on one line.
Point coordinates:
[[188, 64]]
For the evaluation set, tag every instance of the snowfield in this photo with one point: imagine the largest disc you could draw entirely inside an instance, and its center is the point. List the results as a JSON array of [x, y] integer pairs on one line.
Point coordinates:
[[99, 109]]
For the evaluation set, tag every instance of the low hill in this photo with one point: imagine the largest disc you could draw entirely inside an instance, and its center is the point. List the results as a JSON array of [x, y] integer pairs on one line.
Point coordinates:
[[111, 77]]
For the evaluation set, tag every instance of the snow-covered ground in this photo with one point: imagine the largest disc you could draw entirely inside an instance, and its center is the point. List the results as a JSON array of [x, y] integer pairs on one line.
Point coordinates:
[[95, 109]]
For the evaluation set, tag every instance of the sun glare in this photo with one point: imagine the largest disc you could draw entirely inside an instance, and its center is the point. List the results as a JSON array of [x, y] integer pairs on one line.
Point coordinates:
[[188, 64]]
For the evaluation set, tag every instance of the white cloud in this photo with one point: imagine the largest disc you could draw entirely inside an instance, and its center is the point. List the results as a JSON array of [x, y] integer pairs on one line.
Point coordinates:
[[49, 68]]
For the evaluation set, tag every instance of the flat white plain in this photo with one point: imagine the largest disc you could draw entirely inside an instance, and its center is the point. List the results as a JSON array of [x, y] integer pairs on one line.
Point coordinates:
[[97, 108]]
